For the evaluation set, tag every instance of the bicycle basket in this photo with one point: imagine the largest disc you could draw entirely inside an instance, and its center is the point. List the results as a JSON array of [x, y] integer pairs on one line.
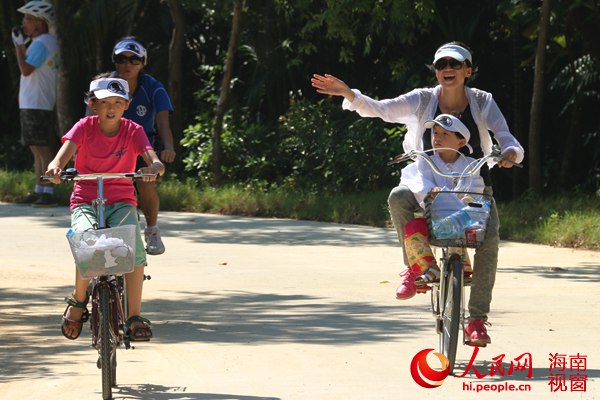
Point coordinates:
[[106, 251], [458, 219]]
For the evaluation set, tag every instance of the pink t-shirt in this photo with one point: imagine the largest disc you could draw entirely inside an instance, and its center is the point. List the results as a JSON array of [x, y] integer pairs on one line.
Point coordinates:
[[97, 152]]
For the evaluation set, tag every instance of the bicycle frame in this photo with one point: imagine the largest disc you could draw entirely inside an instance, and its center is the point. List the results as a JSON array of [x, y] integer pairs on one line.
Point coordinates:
[[108, 293], [109, 298], [447, 303]]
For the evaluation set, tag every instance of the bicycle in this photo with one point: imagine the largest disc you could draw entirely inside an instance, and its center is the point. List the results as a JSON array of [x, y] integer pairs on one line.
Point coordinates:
[[103, 255], [448, 294]]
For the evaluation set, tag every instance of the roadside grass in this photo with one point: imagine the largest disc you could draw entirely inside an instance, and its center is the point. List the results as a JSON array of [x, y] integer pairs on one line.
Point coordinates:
[[571, 220], [559, 220], [363, 209], [17, 184]]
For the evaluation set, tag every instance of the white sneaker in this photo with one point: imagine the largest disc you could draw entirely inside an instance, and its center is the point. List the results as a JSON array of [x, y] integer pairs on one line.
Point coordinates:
[[154, 244]]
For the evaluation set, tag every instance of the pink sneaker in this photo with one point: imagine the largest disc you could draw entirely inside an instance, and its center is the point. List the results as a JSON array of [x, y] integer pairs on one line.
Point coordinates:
[[408, 288], [477, 333]]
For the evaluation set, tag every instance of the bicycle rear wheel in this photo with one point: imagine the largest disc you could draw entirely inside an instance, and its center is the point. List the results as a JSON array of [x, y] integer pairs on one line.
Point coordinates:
[[451, 310], [105, 341]]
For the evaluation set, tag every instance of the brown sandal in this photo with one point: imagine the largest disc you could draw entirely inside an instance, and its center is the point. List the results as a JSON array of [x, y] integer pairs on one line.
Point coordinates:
[[139, 333], [69, 323]]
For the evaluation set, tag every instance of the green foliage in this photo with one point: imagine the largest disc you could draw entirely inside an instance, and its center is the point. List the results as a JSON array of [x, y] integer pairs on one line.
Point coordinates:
[[357, 24], [579, 78], [16, 184], [13, 154], [338, 154], [359, 208], [314, 145], [559, 220], [378, 46], [197, 144]]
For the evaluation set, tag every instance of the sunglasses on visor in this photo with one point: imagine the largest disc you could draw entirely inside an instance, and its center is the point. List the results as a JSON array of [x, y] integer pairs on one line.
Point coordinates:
[[122, 59], [444, 62]]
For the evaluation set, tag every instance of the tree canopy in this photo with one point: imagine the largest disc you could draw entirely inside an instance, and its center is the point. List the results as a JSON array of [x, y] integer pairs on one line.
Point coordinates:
[[276, 129]]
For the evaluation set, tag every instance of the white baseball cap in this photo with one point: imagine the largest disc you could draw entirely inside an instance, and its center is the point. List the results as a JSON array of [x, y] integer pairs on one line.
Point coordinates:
[[455, 51], [109, 87], [452, 124]]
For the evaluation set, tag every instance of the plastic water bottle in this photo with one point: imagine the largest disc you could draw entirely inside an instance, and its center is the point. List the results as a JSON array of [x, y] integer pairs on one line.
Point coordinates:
[[453, 226]]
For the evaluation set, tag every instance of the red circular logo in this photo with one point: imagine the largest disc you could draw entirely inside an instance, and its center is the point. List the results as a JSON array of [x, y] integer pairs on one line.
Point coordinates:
[[426, 376]]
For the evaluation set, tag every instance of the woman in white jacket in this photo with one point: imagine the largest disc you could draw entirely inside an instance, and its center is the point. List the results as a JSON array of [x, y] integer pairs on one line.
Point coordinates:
[[453, 66]]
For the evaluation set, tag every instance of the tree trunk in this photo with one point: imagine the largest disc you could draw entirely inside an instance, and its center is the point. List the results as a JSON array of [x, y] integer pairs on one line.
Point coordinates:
[[7, 22], [175, 74], [535, 122], [569, 172], [519, 122], [65, 110], [223, 102]]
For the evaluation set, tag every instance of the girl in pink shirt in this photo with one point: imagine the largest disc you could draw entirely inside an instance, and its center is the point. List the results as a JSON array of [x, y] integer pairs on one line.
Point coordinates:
[[106, 142]]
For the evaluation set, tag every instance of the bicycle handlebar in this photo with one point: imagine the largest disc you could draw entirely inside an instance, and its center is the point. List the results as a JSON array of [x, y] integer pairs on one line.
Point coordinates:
[[495, 154], [71, 174]]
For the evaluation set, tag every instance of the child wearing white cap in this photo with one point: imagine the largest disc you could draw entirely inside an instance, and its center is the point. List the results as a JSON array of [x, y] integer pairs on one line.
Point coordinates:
[[106, 142], [449, 136]]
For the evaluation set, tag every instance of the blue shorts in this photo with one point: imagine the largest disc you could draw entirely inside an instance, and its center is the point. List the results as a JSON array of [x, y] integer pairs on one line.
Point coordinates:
[[84, 216]]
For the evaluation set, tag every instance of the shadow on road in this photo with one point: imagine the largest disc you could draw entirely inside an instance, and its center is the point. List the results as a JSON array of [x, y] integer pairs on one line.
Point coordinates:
[[160, 392], [201, 228], [198, 228], [31, 337], [584, 272], [255, 318]]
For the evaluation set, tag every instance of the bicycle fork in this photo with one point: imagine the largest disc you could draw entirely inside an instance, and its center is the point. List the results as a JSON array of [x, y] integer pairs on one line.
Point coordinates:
[[115, 311]]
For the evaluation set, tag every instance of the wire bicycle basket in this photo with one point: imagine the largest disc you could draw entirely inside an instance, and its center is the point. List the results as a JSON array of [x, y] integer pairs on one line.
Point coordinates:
[[458, 219], [109, 251]]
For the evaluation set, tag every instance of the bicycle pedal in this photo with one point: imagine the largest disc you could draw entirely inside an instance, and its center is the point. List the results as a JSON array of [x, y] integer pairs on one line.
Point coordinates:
[[475, 344], [423, 289]]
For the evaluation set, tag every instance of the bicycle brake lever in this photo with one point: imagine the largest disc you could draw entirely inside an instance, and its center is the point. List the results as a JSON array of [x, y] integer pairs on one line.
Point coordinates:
[[401, 158], [497, 156]]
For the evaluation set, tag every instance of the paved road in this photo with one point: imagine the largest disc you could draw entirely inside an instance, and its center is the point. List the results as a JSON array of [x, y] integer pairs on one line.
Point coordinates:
[[249, 309]]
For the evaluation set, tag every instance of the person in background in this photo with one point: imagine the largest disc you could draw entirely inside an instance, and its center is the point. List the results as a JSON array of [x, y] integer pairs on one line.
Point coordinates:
[[38, 64], [150, 107]]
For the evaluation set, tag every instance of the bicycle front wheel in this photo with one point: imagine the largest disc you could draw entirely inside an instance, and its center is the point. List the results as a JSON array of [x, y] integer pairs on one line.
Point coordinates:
[[104, 341], [451, 310]]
